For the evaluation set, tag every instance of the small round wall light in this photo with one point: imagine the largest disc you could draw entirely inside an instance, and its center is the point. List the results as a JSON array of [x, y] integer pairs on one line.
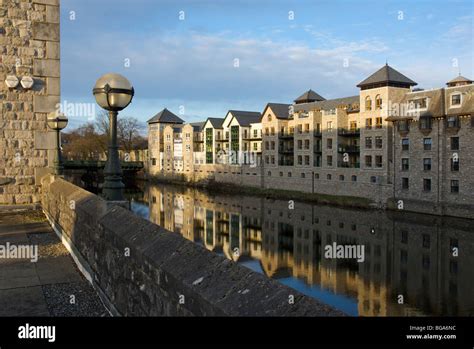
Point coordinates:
[[27, 82], [11, 81]]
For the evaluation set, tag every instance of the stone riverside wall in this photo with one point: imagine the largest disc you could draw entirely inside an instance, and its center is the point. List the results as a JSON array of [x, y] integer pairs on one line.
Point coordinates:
[[162, 267], [29, 46]]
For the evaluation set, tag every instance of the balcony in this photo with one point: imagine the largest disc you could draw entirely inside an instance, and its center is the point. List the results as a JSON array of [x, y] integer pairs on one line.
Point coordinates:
[[348, 132], [317, 133], [348, 149], [348, 164], [286, 135], [286, 150], [285, 163], [317, 149]]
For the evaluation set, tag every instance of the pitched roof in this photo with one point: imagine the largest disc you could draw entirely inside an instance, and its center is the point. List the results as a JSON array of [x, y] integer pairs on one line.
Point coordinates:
[[309, 96], [457, 79], [387, 75], [280, 110], [215, 122], [197, 126], [245, 118], [165, 116], [327, 104]]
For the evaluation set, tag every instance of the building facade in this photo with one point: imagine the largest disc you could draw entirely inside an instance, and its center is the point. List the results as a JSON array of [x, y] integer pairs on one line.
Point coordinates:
[[398, 146]]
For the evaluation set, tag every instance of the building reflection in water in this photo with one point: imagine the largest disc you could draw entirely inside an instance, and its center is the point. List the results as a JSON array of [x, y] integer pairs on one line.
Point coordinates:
[[405, 254]]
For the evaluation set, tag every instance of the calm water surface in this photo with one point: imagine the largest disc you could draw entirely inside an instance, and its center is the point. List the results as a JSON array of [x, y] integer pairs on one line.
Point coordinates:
[[405, 254]]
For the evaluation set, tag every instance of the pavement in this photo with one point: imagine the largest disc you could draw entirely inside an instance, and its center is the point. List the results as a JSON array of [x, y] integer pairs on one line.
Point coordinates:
[[51, 286]]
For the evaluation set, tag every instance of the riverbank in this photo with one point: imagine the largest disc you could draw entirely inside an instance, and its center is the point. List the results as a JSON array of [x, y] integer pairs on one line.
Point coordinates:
[[213, 187]]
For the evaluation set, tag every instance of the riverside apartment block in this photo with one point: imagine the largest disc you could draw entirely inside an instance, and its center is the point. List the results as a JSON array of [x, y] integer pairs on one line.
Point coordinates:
[[392, 143]]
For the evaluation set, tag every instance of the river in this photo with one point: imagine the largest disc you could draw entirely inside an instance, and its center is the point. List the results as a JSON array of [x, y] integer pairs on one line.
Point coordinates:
[[413, 264]]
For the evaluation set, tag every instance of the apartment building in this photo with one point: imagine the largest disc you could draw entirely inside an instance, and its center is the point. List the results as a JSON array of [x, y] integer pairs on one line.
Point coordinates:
[[156, 144], [432, 139], [367, 145]]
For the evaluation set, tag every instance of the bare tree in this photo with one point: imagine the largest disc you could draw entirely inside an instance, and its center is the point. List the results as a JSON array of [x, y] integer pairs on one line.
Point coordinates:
[[128, 132]]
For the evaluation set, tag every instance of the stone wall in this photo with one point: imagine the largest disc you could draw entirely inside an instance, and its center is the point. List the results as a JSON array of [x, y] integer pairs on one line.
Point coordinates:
[[29, 46], [141, 269]]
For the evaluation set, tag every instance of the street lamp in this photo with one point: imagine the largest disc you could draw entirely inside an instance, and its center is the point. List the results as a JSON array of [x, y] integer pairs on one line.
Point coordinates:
[[113, 92], [57, 122]]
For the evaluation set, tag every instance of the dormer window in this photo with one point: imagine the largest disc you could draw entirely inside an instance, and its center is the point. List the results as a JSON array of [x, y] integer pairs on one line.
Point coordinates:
[[378, 102], [456, 100], [368, 103], [419, 103]]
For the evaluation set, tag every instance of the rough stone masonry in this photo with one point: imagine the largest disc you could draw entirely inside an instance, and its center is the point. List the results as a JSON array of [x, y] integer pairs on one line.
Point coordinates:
[[29, 47]]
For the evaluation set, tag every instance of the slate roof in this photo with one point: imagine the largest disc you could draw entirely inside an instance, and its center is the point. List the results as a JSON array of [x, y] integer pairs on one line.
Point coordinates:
[[167, 117], [387, 75], [309, 96], [280, 110], [197, 126], [216, 122], [328, 104], [245, 118]]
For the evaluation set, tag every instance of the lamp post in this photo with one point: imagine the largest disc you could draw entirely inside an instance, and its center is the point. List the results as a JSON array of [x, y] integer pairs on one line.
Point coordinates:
[[57, 122], [113, 92]]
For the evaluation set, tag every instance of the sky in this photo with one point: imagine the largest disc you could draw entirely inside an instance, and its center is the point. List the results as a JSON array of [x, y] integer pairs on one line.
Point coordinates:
[[202, 58]]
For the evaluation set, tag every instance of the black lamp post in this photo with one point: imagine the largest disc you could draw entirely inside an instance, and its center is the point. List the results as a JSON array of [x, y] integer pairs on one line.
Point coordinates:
[[57, 122], [113, 92]]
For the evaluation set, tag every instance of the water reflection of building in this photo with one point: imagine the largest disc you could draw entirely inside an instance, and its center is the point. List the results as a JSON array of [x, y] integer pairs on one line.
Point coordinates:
[[409, 255]]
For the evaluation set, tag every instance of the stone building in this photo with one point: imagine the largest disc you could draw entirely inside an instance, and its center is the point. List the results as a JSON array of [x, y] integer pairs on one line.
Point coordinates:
[[432, 156], [29, 49]]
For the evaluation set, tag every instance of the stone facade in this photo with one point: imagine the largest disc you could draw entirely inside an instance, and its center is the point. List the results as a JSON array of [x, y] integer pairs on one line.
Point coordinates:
[[29, 47], [141, 269]]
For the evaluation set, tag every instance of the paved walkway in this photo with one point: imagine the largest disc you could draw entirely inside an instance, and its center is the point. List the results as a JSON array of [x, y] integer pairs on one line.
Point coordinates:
[[52, 286]]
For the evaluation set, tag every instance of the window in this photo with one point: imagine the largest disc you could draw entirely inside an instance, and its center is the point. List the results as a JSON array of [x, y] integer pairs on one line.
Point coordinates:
[[426, 184], [368, 142], [272, 131], [329, 143], [269, 173], [272, 145], [420, 103], [306, 143], [368, 161], [425, 123], [452, 122], [341, 177], [267, 132], [404, 237], [378, 102], [454, 186], [267, 147], [368, 123], [267, 160], [403, 126], [353, 126], [373, 179], [368, 103], [378, 122], [405, 183], [454, 143], [281, 174], [306, 160], [405, 164], [255, 146], [300, 128], [378, 142], [255, 133], [289, 174], [405, 144], [300, 160], [329, 126], [306, 128], [354, 178], [316, 175], [269, 117], [300, 144], [153, 162], [426, 143], [329, 160], [454, 164], [427, 164], [329, 177], [378, 161], [456, 99]]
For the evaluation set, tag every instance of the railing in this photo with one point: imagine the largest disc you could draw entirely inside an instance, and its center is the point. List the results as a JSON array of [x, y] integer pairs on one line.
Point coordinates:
[[317, 133], [348, 132], [317, 149], [286, 135], [348, 164], [348, 149], [286, 150]]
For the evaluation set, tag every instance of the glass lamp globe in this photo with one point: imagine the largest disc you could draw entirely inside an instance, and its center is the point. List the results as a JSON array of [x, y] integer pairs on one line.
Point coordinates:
[[57, 121], [113, 92]]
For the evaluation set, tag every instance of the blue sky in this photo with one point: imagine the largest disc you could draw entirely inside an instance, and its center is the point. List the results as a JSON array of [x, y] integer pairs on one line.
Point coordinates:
[[188, 65]]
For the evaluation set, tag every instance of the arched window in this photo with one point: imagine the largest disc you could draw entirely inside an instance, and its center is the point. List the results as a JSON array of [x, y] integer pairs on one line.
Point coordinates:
[[368, 103], [378, 102]]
